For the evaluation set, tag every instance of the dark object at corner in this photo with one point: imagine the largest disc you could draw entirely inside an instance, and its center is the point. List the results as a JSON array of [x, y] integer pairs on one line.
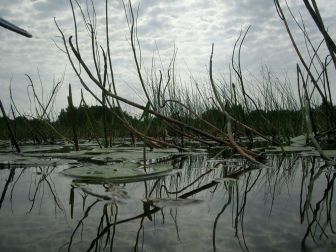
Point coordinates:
[[14, 28]]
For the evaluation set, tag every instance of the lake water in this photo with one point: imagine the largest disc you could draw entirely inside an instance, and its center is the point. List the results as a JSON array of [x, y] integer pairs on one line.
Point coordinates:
[[287, 205]]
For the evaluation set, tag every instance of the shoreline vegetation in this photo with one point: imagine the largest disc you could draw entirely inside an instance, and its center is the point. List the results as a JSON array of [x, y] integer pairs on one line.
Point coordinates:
[[224, 113], [90, 125]]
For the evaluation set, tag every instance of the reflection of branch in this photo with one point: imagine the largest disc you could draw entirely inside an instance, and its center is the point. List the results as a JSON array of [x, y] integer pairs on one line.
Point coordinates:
[[175, 222], [10, 179], [149, 212], [114, 227], [275, 183], [138, 234], [199, 189], [235, 174], [217, 218], [86, 214], [101, 224], [316, 211], [329, 209], [150, 208], [102, 233], [240, 210], [187, 186], [313, 178], [13, 186], [44, 178]]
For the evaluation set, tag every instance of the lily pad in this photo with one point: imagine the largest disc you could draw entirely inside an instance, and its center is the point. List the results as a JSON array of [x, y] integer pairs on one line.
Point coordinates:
[[103, 156], [112, 192], [42, 148], [121, 172], [315, 153], [228, 162], [20, 160], [127, 156], [300, 140], [289, 149]]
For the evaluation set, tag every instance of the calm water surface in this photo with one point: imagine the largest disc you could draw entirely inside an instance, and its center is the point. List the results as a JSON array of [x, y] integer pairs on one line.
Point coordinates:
[[288, 206]]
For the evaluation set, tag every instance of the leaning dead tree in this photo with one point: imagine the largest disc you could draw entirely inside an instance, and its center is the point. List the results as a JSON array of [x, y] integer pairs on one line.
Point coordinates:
[[160, 91]]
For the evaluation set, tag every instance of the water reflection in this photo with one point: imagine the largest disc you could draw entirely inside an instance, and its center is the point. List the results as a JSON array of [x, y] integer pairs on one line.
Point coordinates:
[[41, 186], [213, 204], [316, 210], [9, 180]]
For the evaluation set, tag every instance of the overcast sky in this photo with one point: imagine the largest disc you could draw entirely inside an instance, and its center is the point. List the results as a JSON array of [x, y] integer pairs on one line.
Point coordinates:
[[189, 25]]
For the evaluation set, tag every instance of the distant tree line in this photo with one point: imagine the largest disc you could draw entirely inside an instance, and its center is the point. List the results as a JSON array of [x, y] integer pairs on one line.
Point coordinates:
[[89, 122]]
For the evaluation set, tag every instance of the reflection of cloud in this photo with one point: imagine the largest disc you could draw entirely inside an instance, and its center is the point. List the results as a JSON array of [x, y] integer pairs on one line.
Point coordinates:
[[191, 25]]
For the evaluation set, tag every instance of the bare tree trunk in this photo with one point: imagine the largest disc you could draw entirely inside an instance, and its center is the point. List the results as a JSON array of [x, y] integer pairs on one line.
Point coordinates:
[[10, 129], [73, 119]]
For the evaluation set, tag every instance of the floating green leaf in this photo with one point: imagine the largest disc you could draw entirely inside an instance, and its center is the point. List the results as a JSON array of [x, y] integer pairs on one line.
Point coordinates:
[[121, 172], [300, 140], [289, 149], [127, 156], [20, 160]]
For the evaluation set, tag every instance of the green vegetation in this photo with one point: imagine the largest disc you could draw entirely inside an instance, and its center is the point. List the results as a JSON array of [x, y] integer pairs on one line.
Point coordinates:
[[280, 124]]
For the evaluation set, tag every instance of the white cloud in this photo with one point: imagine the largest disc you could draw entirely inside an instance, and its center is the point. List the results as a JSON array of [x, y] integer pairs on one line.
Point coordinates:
[[191, 25]]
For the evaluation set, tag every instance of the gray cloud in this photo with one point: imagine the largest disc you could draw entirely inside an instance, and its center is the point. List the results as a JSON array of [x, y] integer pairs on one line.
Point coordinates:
[[191, 25]]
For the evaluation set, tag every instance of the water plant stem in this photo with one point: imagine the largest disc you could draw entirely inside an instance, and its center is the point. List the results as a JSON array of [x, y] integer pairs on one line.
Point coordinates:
[[14, 141]]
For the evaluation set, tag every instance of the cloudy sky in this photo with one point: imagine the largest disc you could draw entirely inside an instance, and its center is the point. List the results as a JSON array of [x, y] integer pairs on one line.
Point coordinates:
[[189, 25]]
